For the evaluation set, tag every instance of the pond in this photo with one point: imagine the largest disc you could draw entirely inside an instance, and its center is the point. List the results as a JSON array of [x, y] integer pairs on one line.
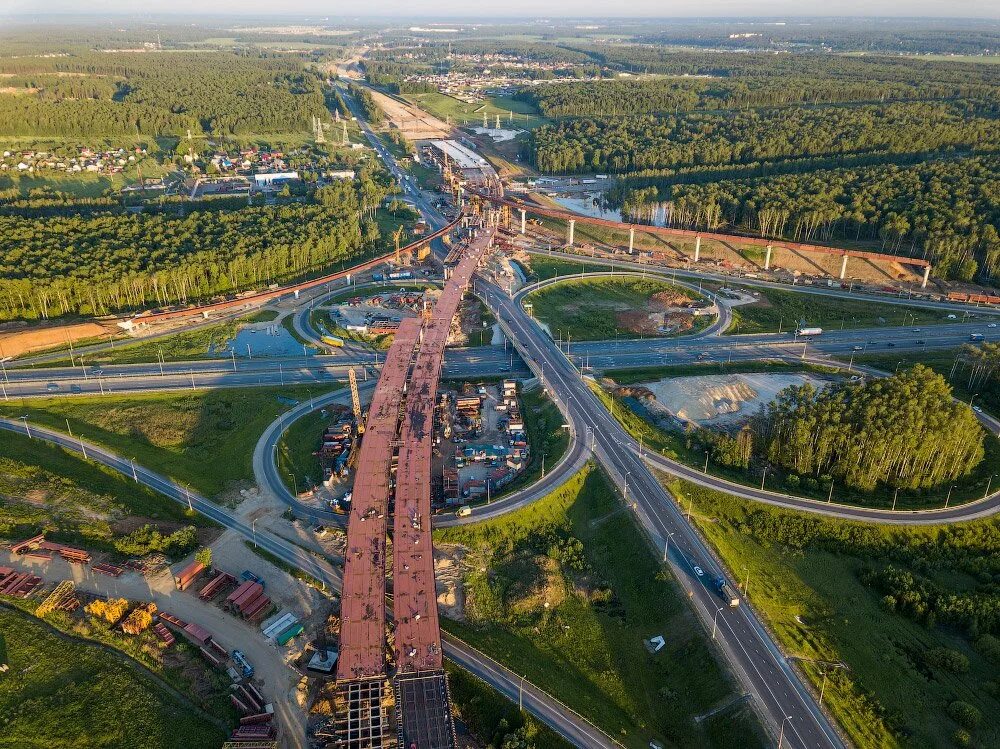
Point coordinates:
[[267, 339]]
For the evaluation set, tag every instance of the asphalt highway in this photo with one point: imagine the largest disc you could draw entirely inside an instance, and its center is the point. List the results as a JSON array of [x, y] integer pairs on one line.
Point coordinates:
[[485, 360], [572, 726], [762, 668]]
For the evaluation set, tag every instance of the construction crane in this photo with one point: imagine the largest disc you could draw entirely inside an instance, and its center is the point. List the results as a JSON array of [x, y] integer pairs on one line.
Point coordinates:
[[356, 401]]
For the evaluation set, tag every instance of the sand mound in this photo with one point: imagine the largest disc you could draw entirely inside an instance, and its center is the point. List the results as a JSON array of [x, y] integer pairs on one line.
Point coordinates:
[[722, 399]]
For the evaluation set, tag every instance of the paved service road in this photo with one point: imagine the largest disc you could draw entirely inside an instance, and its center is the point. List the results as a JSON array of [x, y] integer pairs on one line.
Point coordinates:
[[573, 727]]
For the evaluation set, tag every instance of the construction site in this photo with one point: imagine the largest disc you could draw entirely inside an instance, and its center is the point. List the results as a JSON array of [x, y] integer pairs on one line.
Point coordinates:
[[482, 444], [391, 686]]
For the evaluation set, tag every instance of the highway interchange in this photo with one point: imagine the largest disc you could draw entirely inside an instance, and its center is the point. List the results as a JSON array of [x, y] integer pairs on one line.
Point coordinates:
[[763, 670]]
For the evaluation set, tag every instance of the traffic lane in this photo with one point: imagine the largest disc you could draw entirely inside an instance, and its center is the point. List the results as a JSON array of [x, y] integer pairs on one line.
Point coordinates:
[[494, 355], [66, 384], [621, 463]]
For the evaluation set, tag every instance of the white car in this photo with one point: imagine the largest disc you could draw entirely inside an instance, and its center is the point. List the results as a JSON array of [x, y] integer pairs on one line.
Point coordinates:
[[977, 409], [699, 571], [991, 325]]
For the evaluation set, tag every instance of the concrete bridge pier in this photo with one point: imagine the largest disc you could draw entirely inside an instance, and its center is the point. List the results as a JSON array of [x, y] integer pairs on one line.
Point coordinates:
[[524, 220], [927, 277], [569, 232], [631, 240], [843, 268], [697, 248], [767, 258]]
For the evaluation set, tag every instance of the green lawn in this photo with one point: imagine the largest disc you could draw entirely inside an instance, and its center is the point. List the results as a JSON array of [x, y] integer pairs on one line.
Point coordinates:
[[204, 438], [943, 362], [73, 499], [784, 310], [676, 445], [565, 592], [192, 344], [648, 374], [587, 309], [459, 113], [295, 451], [65, 693], [544, 267], [807, 580]]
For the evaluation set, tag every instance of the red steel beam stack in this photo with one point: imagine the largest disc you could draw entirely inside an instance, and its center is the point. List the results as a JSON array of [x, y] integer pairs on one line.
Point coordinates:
[[362, 633], [215, 585], [418, 639]]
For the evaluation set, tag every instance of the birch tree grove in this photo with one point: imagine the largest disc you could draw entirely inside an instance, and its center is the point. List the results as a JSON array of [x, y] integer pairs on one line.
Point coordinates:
[[904, 431]]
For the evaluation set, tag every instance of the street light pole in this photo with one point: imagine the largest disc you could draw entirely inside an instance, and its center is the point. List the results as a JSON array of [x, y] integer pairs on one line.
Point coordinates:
[[27, 429], [989, 482], [948, 498], [666, 545], [781, 735], [715, 621], [763, 478]]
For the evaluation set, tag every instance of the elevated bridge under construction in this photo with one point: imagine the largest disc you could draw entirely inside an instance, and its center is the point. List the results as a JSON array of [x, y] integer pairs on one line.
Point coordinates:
[[400, 699]]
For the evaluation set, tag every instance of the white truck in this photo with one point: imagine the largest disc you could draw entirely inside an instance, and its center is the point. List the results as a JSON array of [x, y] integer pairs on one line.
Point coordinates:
[[808, 332]]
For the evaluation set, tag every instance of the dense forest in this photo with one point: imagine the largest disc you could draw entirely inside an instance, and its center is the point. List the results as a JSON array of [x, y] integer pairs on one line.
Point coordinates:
[[107, 262], [635, 143], [904, 431], [946, 210], [220, 93]]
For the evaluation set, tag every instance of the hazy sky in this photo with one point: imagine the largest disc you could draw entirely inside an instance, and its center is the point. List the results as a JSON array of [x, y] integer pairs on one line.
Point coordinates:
[[535, 8]]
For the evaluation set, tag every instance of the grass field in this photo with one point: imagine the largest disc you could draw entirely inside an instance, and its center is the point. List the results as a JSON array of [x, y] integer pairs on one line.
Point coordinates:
[[942, 362], [63, 693], [565, 592], [184, 346], [780, 310], [674, 444], [588, 309], [295, 452], [806, 580], [544, 267], [449, 108], [204, 439], [647, 374], [71, 498]]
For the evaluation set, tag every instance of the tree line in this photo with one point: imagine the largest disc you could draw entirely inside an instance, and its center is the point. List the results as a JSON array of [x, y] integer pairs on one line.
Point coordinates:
[[946, 210], [157, 94], [650, 142], [905, 431], [108, 262]]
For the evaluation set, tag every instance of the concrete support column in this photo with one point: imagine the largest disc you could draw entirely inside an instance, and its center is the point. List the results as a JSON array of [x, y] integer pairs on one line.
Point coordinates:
[[927, 277], [631, 240], [569, 232], [697, 248], [843, 268], [524, 220], [767, 259]]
